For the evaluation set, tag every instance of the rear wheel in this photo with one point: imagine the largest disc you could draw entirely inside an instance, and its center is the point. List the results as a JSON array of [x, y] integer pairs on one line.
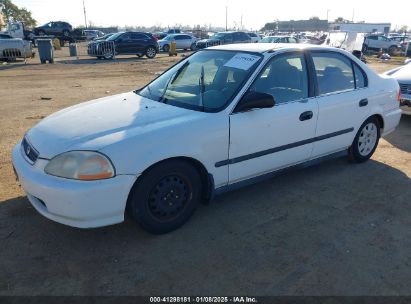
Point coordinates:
[[42, 33], [193, 47], [366, 140], [392, 50], [166, 48], [66, 33], [166, 196], [151, 52]]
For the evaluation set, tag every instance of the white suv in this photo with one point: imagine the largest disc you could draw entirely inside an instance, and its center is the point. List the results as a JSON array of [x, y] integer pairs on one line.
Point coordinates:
[[222, 118], [377, 42]]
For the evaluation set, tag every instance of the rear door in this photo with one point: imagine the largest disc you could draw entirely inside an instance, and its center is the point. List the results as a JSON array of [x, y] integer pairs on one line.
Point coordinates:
[[139, 41], [342, 100]]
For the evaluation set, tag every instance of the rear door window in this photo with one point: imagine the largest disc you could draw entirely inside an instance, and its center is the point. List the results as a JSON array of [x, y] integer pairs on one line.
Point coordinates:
[[334, 72]]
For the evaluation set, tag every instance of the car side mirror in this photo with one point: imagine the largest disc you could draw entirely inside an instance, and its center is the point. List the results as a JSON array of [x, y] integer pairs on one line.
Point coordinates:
[[255, 100]]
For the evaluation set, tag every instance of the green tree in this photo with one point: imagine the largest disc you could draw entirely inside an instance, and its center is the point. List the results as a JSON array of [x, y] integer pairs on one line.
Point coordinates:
[[403, 29], [314, 18], [341, 20], [270, 26], [12, 12]]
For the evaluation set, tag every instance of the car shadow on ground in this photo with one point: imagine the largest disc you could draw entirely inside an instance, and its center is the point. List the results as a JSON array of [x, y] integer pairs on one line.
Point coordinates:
[[401, 138], [333, 229]]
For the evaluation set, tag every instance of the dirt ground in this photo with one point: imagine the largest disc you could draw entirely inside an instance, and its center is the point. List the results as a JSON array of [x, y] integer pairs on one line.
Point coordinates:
[[333, 229]]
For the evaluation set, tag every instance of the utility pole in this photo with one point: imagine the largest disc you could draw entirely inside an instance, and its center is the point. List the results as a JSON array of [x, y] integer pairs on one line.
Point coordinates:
[[241, 22], [85, 15], [353, 10], [226, 18], [327, 13]]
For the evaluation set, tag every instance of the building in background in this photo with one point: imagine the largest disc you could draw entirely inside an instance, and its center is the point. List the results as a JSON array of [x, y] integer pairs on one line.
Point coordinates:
[[311, 25], [361, 27]]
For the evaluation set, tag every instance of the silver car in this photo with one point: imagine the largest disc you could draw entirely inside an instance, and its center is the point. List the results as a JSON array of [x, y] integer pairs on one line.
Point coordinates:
[[183, 41]]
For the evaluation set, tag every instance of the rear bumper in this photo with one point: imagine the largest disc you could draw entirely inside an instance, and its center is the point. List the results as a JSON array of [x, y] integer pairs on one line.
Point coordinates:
[[74, 203]]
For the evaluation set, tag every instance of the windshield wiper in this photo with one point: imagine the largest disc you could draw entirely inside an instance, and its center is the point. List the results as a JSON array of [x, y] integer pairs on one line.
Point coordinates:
[[171, 80]]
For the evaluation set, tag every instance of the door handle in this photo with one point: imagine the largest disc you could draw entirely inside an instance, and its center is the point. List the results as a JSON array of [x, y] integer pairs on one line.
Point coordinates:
[[363, 102], [306, 115]]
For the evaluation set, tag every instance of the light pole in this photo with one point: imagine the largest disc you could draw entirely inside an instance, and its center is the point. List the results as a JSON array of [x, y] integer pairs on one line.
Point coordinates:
[[226, 18], [85, 15], [327, 13]]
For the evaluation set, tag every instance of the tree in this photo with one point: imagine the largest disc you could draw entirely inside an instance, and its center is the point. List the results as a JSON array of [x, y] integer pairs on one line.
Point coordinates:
[[403, 29], [270, 26], [341, 20], [315, 18], [12, 12]]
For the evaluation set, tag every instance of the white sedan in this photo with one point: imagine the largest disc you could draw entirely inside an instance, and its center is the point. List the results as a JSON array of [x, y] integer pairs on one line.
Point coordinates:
[[222, 118]]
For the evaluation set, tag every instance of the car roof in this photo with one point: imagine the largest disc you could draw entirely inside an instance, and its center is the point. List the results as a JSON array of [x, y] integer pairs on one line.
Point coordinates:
[[267, 47]]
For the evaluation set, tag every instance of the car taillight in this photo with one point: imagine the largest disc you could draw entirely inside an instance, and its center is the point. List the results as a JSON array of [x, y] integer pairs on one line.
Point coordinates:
[[399, 95]]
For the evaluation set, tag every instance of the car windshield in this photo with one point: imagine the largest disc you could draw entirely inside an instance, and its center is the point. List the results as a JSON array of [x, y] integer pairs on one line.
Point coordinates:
[[114, 37], [206, 81]]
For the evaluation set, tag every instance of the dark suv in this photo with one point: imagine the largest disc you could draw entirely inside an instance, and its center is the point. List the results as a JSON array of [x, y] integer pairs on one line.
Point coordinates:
[[224, 38], [57, 28], [125, 43]]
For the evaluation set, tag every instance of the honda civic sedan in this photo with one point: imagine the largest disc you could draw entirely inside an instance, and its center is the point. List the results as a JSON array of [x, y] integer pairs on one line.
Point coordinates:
[[222, 118]]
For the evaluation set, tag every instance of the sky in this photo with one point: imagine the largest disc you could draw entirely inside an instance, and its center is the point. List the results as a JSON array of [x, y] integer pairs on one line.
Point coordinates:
[[254, 14]]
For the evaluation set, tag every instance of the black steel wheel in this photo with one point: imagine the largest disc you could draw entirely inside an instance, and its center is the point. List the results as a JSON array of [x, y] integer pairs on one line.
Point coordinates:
[[166, 196]]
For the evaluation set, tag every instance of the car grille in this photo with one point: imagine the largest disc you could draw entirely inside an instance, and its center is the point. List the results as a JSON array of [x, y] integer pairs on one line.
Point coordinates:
[[405, 88], [29, 151]]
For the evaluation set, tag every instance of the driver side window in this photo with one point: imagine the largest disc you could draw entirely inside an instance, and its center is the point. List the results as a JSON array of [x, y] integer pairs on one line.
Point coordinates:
[[285, 78]]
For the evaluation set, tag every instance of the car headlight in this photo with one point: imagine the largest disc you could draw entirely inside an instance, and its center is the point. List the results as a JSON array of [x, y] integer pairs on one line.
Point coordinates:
[[81, 165]]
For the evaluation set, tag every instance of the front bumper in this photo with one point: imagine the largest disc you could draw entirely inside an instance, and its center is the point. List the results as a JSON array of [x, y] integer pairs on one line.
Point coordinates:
[[81, 204]]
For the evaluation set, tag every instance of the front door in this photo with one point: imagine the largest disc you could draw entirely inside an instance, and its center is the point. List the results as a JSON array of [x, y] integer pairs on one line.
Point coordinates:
[[264, 140]]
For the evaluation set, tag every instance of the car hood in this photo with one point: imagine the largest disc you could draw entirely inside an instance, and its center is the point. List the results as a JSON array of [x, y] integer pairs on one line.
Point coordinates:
[[95, 124]]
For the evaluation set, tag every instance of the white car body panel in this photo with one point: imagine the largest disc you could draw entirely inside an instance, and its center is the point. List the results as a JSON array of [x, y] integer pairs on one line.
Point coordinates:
[[136, 133]]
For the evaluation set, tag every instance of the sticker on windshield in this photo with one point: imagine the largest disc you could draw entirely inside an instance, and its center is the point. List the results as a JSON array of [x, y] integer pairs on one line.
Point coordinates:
[[242, 61]]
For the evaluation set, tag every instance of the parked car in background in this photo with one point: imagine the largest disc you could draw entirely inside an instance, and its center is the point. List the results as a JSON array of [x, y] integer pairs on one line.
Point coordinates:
[[183, 41], [279, 39], [377, 42], [255, 38], [173, 31], [13, 48], [189, 134], [93, 34], [403, 76], [125, 43], [224, 38], [160, 35], [54, 28]]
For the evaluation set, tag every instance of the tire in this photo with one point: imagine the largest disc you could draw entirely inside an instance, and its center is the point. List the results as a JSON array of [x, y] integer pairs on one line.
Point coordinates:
[[166, 196], [108, 56], [66, 33], [193, 47], [366, 141], [151, 52], [166, 48], [139, 55], [42, 33]]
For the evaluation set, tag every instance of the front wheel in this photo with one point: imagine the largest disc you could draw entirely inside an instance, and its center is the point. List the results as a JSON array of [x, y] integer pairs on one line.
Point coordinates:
[[151, 52], [193, 47], [366, 141], [166, 196]]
